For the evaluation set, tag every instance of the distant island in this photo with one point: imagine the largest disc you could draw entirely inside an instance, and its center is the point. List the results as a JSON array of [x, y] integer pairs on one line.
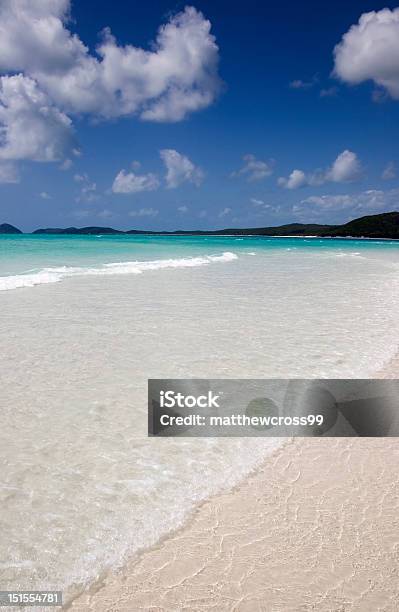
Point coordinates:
[[6, 228], [385, 225]]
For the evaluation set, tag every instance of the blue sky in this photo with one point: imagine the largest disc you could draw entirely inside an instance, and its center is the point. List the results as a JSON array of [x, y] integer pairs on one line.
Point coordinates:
[[240, 122]]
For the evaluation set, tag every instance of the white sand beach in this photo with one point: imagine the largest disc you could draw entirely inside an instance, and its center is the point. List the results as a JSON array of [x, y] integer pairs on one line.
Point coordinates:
[[108, 506], [316, 528]]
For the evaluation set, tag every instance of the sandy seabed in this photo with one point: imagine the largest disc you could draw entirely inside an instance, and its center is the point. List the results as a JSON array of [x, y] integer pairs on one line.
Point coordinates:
[[316, 528]]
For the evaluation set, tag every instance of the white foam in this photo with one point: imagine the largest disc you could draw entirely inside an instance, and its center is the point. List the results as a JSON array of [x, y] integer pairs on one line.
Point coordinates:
[[55, 275]]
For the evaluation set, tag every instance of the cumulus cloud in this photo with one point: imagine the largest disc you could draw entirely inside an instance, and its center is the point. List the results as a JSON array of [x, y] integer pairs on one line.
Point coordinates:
[[389, 172], [144, 212], [33, 36], [254, 169], [345, 169], [182, 209], [296, 179], [54, 76], [180, 169], [130, 182], [31, 126], [325, 207], [8, 173], [44, 195], [177, 76], [370, 51]]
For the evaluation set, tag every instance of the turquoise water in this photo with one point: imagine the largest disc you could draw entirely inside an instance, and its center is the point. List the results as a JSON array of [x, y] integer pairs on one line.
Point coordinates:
[[35, 254], [86, 320]]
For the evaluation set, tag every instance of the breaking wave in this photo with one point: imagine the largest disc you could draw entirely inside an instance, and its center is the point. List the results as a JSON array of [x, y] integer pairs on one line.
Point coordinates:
[[55, 275]]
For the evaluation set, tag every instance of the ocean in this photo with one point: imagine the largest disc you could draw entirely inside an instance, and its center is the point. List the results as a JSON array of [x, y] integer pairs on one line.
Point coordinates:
[[86, 320]]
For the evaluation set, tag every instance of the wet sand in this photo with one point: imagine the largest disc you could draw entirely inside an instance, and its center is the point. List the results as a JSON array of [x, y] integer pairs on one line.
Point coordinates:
[[316, 528]]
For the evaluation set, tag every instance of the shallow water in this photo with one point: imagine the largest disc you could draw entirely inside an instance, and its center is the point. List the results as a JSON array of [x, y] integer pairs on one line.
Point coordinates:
[[81, 487]]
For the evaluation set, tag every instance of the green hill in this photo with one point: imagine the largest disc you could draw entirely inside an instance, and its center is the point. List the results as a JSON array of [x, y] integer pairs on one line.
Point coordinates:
[[385, 225], [77, 230], [6, 228]]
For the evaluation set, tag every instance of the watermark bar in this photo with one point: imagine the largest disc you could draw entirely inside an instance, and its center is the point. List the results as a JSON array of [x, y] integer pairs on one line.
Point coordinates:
[[273, 407], [30, 598]]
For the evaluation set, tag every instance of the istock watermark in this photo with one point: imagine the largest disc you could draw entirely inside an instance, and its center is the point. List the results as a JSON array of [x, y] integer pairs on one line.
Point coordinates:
[[170, 399], [273, 407]]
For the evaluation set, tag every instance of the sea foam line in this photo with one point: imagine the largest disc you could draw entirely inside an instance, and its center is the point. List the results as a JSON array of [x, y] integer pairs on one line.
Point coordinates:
[[55, 275]]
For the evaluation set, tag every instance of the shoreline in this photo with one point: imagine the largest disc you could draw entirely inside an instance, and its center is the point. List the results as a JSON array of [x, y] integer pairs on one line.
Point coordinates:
[[174, 532], [95, 328], [288, 534], [204, 235]]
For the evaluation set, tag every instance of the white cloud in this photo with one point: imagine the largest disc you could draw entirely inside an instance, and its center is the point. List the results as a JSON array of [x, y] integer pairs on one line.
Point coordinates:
[[130, 182], [44, 195], [370, 51], [177, 76], [31, 126], [345, 169], [254, 169], [366, 202], [144, 212], [296, 179], [261, 208], [182, 209], [389, 172], [33, 36], [53, 76], [223, 213], [180, 169], [8, 173]]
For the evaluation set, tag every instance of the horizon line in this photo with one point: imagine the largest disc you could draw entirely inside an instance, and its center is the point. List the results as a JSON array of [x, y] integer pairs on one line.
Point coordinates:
[[197, 231]]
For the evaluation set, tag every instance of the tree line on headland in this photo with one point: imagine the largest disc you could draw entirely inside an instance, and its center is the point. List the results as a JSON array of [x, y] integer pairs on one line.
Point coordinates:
[[384, 225]]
